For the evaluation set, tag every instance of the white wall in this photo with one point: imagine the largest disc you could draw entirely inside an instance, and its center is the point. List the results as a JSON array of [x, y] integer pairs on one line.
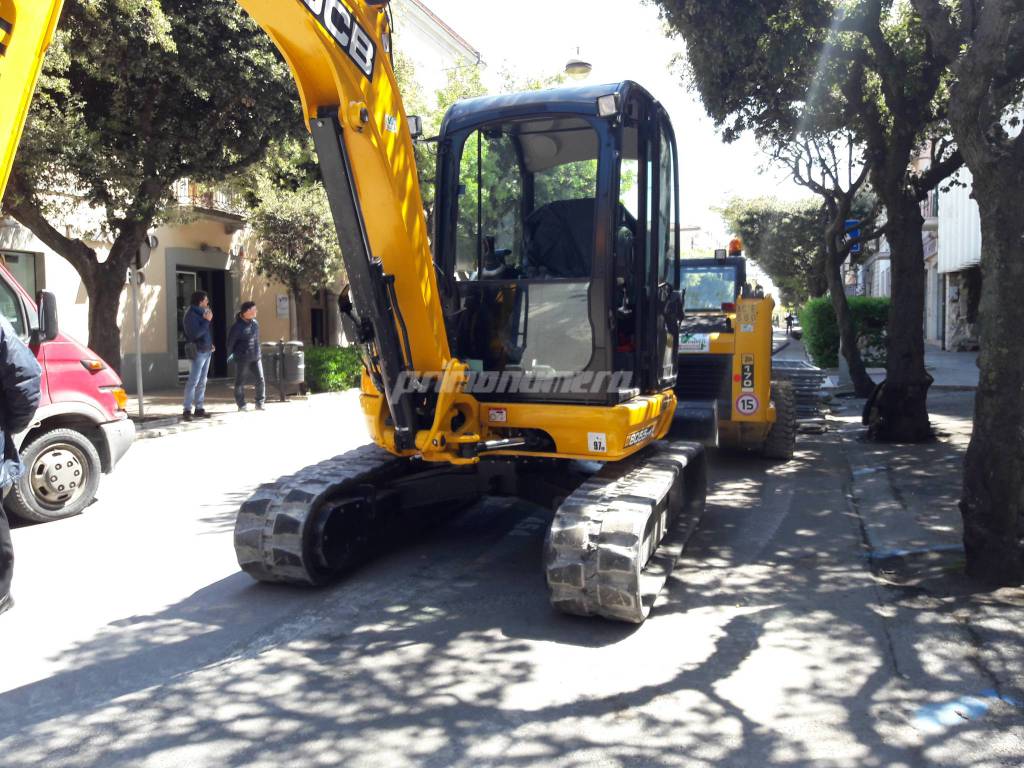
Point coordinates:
[[433, 45], [959, 228]]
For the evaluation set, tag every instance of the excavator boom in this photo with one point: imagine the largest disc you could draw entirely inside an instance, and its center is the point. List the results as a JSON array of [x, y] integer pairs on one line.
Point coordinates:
[[340, 56], [26, 29]]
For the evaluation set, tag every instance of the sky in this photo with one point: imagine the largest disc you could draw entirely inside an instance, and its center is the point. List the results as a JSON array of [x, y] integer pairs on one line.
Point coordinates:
[[624, 40]]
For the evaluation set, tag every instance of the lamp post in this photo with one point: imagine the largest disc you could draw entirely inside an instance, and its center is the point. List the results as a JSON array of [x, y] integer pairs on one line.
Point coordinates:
[[578, 67], [140, 261]]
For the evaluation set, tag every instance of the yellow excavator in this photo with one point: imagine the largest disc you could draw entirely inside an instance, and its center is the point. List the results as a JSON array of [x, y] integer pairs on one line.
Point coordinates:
[[528, 349]]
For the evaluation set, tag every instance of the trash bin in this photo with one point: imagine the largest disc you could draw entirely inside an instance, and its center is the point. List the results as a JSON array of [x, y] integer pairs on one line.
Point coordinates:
[[294, 365], [284, 367]]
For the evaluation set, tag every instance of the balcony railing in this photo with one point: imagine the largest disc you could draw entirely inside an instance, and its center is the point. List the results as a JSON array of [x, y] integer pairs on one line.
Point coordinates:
[[192, 195]]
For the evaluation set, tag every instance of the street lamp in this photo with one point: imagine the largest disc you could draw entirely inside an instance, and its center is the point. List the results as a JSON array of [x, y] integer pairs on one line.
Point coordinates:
[[577, 67]]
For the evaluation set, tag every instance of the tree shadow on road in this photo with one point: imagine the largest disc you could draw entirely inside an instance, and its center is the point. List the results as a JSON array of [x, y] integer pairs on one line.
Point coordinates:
[[769, 647]]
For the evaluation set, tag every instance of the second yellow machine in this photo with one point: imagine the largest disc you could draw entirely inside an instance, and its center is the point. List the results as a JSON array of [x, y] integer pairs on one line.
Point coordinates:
[[530, 350], [726, 388]]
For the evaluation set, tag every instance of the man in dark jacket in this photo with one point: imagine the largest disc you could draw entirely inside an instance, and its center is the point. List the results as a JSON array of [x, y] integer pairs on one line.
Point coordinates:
[[196, 325], [244, 348], [19, 384]]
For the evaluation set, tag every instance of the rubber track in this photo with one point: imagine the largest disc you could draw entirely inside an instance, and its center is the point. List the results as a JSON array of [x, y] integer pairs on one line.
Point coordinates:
[[272, 527], [614, 541]]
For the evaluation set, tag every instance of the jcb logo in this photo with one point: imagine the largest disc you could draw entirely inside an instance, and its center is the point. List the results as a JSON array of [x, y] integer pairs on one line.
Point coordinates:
[[346, 32]]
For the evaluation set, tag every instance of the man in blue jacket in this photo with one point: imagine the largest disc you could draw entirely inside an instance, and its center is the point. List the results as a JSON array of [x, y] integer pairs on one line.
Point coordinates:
[[244, 348], [19, 389], [198, 332]]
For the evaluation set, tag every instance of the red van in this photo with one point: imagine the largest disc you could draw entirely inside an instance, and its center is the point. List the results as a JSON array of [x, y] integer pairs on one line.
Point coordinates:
[[81, 428]]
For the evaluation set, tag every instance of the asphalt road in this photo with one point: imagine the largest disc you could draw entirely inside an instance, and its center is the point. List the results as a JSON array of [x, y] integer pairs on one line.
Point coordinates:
[[136, 641]]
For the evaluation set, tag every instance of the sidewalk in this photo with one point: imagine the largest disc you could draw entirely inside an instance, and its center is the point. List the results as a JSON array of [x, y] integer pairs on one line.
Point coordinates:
[[951, 370], [940, 622], [163, 408], [906, 496]]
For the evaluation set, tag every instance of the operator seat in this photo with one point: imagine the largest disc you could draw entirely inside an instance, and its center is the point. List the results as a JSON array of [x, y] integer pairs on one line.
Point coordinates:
[[558, 240]]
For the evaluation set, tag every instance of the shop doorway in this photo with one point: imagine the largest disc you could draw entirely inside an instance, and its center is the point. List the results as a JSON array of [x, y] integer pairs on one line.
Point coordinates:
[[317, 330], [188, 280]]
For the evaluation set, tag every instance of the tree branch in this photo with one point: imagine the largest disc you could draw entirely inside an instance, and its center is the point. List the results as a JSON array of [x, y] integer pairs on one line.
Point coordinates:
[[937, 173], [24, 207]]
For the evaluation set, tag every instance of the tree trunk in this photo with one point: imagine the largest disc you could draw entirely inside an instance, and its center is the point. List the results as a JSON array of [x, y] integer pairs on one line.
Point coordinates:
[[993, 492], [104, 288], [862, 383], [104, 280], [900, 412]]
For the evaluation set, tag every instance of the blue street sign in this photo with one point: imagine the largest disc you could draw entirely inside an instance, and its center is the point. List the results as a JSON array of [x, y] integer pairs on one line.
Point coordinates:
[[852, 227]]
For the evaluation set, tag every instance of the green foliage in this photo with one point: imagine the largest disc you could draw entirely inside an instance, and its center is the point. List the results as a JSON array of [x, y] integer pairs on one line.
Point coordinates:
[[870, 316], [298, 241], [463, 83], [809, 65], [786, 239], [136, 95], [332, 369]]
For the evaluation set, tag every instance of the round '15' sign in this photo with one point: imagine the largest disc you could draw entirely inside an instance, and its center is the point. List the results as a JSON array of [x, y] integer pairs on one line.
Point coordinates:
[[747, 404]]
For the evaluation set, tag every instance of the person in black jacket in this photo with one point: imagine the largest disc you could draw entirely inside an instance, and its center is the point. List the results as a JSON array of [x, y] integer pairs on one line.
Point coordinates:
[[199, 333], [244, 348], [19, 386]]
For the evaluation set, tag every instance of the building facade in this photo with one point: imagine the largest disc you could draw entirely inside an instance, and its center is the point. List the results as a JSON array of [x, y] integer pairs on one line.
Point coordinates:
[[207, 246], [959, 264]]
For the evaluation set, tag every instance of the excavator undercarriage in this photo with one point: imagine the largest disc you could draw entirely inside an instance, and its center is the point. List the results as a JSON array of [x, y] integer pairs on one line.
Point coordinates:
[[614, 538]]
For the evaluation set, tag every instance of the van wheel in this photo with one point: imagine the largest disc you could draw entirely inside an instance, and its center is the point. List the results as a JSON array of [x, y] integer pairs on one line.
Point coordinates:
[[62, 474]]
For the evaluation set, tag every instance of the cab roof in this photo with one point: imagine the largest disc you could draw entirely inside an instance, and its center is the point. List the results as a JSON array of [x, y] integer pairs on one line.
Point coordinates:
[[549, 127], [578, 99]]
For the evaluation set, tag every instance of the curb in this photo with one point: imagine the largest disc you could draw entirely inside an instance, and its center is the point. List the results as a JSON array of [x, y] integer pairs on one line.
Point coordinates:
[[892, 532], [173, 425]]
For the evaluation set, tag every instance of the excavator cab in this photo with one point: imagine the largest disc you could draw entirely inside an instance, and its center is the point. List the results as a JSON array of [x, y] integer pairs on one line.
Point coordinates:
[[555, 237]]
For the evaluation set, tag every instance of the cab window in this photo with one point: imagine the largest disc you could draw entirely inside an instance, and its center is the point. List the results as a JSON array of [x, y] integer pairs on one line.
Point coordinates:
[[10, 306], [524, 245]]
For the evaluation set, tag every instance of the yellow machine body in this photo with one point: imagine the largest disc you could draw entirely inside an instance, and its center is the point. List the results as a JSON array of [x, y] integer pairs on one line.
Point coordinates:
[[26, 30], [579, 432], [339, 56], [746, 410], [750, 346]]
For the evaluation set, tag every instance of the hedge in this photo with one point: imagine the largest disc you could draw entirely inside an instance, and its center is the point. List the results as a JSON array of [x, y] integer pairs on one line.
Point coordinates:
[[331, 369], [821, 332]]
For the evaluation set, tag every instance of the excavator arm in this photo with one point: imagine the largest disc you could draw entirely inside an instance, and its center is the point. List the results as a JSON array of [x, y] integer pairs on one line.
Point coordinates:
[[340, 56], [26, 29]]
